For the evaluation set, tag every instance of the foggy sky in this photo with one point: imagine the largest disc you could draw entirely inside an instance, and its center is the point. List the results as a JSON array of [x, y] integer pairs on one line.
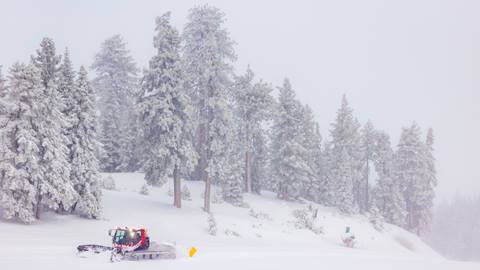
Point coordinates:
[[397, 61]]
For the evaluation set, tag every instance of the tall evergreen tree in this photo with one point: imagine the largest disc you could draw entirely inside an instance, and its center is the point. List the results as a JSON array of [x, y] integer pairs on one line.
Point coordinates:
[[344, 159], [231, 180], [208, 55], [20, 148], [429, 184], [47, 62], [410, 170], [388, 195], [66, 88], [4, 104], [260, 162], [253, 105], [345, 186], [290, 162], [85, 174], [3, 84], [54, 191], [115, 84], [5, 111], [368, 145], [130, 144], [66, 91], [165, 111], [313, 145]]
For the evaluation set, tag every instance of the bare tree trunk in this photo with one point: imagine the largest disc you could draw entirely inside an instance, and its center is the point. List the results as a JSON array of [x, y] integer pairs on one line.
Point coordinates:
[[177, 193], [197, 174], [409, 208], [367, 206], [203, 171], [248, 176], [206, 206], [248, 179], [39, 201], [37, 207], [204, 125]]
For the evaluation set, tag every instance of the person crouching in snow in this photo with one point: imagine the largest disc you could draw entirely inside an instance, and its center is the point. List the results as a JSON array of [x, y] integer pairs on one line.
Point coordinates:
[[348, 238]]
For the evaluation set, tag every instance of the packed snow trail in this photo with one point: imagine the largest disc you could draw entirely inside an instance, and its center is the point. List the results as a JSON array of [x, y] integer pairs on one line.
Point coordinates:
[[272, 243]]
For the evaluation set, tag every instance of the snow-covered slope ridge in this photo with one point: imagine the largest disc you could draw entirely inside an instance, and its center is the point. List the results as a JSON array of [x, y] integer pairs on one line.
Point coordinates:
[[262, 235]]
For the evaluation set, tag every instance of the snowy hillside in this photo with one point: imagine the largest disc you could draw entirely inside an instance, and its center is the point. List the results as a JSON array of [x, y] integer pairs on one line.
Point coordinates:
[[268, 241]]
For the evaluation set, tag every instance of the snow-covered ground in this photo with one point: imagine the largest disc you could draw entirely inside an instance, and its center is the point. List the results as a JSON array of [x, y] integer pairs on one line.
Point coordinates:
[[271, 242]]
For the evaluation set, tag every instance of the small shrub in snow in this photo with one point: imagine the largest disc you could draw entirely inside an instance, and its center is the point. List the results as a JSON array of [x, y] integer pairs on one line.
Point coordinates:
[[170, 192], [405, 243], [231, 233], [108, 183], [259, 215], [186, 196], [375, 218], [212, 225], [244, 205], [144, 190], [257, 225], [317, 230], [305, 219], [217, 196]]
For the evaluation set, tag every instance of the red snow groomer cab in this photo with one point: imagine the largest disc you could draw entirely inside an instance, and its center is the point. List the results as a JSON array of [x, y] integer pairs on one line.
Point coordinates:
[[131, 244], [128, 239]]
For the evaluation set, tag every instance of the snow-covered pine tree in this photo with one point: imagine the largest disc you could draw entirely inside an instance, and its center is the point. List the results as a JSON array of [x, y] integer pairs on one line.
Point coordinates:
[[20, 154], [165, 111], [328, 188], [85, 174], [344, 186], [3, 84], [225, 159], [290, 162], [344, 160], [269, 182], [367, 141], [115, 84], [313, 145], [260, 163], [375, 218], [66, 88], [212, 225], [429, 184], [388, 195], [208, 55], [130, 145], [231, 177], [66, 82], [47, 62], [4, 104], [410, 168], [5, 110], [55, 190], [66, 91], [253, 104]]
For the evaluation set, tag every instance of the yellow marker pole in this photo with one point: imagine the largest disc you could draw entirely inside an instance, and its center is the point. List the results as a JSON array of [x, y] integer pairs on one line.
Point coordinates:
[[192, 252]]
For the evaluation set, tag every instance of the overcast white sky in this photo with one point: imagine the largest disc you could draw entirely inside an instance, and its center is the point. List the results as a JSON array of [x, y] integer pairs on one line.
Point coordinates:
[[397, 61]]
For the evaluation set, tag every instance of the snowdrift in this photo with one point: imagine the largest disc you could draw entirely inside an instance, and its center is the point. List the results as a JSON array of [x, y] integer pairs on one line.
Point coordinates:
[[263, 234]]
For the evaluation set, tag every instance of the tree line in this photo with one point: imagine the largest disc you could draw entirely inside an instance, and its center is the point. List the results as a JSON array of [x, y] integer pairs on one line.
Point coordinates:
[[188, 115], [48, 137]]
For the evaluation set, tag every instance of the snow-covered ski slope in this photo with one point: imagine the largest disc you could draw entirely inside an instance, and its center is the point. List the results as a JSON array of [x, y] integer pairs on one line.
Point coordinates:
[[242, 241]]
